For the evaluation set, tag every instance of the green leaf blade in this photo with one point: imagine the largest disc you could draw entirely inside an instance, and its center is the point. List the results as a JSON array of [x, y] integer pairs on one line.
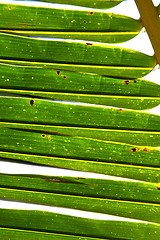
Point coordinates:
[[31, 77], [56, 223], [68, 52], [141, 211], [38, 18], [112, 71], [137, 103], [86, 187], [27, 110], [96, 4], [104, 37], [142, 138], [76, 147], [16, 234], [119, 170]]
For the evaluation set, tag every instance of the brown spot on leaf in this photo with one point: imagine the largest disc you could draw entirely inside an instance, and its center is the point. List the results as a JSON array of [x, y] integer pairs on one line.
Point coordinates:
[[64, 76], [120, 110], [158, 188], [89, 44], [43, 135], [84, 21], [49, 138], [145, 150], [79, 178], [25, 24], [10, 7], [31, 102], [58, 73], [135, 81], [90, 13], [133, 149], [126, 82]]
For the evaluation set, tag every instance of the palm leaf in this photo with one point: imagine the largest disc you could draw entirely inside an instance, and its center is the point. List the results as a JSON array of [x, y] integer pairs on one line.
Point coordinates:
[[37, 130]]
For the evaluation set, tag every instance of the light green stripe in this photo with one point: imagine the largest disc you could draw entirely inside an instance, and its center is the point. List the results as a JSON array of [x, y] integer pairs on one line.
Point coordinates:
[[104, 37]]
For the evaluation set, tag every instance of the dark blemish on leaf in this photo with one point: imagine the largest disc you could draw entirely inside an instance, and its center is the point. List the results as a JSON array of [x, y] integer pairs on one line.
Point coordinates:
[[58, 73], [145, 150], [10, 7], [26, 24], [133, 149], [135, 81], [89, 44], [43, 135], [64, 77], [62, 181], [49, 138], [119, 110], [61, 134], [31, 102], [90, 13], [158, 188], [126, 81], [84, 21], [52, 180], [79, 178]]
